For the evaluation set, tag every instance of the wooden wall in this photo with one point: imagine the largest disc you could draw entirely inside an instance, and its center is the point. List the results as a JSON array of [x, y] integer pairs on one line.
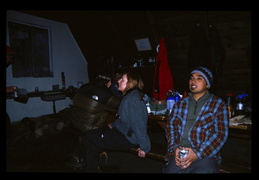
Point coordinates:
[[234, 28]]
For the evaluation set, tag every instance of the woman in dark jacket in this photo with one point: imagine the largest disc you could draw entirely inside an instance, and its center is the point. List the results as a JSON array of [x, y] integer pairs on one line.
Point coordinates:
[[128, 131]]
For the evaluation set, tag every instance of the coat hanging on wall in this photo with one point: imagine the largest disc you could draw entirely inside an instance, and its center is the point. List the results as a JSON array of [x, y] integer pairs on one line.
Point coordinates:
[[163, 80], [206, 50], [198, 52]]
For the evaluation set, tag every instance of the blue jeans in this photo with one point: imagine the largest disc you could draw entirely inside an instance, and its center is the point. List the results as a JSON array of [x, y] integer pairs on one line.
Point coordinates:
[[202, 166]]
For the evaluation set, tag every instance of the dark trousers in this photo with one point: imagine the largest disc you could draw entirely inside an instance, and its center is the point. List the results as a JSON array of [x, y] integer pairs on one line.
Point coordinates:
[[99, 140], [201, 166]]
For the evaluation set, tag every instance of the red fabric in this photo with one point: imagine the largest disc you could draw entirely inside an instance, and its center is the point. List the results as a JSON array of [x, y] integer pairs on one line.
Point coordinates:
[[162, 73], [9, 50]]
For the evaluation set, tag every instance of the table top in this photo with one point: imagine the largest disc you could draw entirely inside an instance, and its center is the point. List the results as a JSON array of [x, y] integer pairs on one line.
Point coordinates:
[[24, 98], [165, 118]]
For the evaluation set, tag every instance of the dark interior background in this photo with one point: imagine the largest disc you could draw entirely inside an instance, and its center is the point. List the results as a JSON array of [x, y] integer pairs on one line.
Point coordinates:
[[108, 36]]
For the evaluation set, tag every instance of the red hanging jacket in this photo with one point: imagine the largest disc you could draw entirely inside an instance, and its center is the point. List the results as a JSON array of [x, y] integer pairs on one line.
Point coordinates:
[[162, 73]]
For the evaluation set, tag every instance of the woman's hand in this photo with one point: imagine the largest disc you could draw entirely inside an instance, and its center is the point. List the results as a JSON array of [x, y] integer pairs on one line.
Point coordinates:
[[108, 84], [141, 153], [110, 125]]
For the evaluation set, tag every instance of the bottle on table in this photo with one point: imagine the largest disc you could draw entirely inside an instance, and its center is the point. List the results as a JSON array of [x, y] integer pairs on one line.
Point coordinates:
[[240, 104], [63, 80], [170, 101]]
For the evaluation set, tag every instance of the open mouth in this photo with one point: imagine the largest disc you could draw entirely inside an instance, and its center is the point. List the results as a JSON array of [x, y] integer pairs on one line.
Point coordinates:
[[193, 87]]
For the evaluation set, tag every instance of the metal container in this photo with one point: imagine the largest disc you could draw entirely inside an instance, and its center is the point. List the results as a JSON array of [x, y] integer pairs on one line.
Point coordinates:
[[15, 94], [183, 153]]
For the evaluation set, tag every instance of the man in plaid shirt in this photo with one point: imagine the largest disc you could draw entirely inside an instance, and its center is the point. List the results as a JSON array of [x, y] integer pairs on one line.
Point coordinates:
[[198, 123]]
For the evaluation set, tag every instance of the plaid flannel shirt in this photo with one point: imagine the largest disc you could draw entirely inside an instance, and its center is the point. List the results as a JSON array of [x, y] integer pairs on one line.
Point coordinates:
[[209, 132]]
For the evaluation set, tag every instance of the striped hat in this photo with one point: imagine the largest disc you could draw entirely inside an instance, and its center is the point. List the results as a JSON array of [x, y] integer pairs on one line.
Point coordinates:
[[206, 73]]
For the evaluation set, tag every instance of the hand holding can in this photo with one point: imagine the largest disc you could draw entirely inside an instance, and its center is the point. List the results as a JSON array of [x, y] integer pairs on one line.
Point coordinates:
[[183, 153]]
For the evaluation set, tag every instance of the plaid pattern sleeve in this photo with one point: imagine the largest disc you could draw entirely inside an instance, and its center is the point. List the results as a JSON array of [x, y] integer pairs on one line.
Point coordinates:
[[210, 131], [174, 126]]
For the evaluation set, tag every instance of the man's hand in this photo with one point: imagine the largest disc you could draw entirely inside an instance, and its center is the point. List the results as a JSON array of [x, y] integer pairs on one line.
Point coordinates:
[[187, 161]]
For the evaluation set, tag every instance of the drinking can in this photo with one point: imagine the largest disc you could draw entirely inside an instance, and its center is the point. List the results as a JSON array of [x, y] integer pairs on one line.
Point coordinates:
[[183, 153]]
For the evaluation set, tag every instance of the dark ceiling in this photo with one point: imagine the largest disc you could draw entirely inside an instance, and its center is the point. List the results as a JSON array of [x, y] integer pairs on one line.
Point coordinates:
[[108, 33], [105, 34]]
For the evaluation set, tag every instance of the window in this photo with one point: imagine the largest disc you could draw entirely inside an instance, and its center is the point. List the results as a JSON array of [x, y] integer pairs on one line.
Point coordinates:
[[31, 47]]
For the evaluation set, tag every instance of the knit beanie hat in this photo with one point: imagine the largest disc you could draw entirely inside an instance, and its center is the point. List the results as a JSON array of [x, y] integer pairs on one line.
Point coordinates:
[[206, 73]]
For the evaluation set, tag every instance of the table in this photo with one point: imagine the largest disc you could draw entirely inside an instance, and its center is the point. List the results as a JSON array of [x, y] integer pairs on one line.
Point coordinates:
[[239, 131], [47, 96], [165, 118]]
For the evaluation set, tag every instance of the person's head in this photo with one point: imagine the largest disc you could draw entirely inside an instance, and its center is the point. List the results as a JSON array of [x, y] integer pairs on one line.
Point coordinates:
[[200, 79], [9, 56], [130, 80], [102, 80], [116, 77]]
